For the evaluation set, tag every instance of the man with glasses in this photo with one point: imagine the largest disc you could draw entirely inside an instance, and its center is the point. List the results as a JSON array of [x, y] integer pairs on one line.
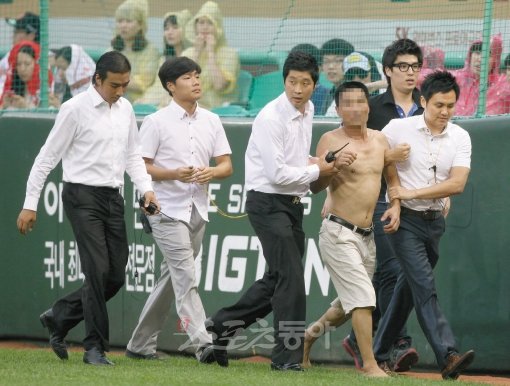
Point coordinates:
[[402, 61], [437, 167]]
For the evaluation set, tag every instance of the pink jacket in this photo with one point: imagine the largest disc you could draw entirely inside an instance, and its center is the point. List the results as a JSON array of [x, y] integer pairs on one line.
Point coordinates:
[[498, 93]]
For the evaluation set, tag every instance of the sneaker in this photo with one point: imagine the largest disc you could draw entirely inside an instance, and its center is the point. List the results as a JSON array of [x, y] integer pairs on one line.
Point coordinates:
[[403, 357], [353, 350], [456, 363]]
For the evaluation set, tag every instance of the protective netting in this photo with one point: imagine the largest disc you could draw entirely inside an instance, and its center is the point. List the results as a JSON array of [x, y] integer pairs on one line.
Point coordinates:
[[252, 39]]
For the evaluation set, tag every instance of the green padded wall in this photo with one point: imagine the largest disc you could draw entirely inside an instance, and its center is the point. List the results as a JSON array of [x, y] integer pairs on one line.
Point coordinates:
[[472, 275]]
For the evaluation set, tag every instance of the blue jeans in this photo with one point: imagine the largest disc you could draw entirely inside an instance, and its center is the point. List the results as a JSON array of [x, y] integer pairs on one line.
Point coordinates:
[[416, 244]]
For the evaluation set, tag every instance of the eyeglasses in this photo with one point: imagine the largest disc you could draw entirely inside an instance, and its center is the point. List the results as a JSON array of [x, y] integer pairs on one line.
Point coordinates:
[[404, 67]]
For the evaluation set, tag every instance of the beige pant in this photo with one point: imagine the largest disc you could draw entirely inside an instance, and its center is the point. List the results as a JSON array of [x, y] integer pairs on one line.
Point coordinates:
[[350, 260]]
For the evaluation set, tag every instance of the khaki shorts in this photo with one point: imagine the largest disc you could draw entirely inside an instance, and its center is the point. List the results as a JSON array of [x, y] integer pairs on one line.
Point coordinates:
[[350, 260]]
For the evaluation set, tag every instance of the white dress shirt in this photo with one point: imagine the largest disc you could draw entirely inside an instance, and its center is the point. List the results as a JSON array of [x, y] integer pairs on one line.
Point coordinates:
[[446, 150], [96, 143], [276, 159], [174, 139]]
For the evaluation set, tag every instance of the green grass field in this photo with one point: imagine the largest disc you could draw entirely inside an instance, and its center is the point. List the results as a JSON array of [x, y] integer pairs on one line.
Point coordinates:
[[41, 367]]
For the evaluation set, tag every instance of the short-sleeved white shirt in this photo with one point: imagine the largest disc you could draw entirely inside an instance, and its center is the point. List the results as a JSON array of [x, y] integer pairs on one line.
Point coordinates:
[[446, 150], [173, 139]]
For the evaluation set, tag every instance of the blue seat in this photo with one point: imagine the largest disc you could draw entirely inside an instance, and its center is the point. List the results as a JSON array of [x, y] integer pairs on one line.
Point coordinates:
[[265, 88], [244, 81], [144, 108], [230, 111]]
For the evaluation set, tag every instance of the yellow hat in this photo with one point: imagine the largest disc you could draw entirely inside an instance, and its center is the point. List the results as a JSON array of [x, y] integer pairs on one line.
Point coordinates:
[[182, 17], [134, 10], [211, 10]]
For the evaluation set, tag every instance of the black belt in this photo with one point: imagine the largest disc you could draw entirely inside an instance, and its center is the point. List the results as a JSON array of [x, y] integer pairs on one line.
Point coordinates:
[[428, 215], [347, 224], [286, 197]]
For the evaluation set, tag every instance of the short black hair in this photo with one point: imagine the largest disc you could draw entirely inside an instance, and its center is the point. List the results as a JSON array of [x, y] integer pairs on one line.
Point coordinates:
[[301, 61], [397, 48], [309, 49], [339, 47], [112, 61], [64, 52], [176, 67], [439, 82], [351, 85]]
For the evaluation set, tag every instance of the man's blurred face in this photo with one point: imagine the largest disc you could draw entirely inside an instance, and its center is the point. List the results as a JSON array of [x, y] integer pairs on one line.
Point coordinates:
[[353, 107]]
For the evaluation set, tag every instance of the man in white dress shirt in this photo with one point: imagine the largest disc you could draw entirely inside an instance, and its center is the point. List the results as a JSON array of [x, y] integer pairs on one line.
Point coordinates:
[[278, 172], [96, 136], [177, 144], [438, 167]]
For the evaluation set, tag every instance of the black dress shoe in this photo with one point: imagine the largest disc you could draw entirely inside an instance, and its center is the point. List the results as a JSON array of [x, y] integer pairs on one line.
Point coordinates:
[[286, 367], [135, 355], [57, 342], [96, 357], [206, 354], [219, 344]]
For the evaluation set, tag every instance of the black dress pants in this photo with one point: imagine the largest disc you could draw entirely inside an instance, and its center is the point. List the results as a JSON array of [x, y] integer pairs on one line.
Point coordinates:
[[97, 218], [277, 221]]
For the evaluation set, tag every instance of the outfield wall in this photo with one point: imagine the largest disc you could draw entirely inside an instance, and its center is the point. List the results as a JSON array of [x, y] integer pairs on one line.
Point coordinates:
[[472, 274]]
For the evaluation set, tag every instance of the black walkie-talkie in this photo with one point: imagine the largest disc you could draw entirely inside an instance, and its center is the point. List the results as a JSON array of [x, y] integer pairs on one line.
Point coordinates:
[[330, 157], [151, 209]]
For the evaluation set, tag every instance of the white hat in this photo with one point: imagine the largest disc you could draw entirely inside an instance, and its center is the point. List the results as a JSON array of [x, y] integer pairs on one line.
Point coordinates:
[[356, 60]]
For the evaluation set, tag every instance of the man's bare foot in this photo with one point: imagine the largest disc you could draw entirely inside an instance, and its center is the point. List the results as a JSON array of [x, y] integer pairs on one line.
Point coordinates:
[[373, 372], [307, 346]]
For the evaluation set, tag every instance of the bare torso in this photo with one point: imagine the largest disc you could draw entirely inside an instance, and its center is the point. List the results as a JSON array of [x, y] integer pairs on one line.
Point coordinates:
[[355, 189]]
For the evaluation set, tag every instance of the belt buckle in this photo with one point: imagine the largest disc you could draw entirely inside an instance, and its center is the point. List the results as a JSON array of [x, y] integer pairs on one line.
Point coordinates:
[[429, 215], [296, 200]]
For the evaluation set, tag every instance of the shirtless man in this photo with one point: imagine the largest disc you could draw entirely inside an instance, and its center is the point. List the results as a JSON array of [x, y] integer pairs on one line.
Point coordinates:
[[346, 239]]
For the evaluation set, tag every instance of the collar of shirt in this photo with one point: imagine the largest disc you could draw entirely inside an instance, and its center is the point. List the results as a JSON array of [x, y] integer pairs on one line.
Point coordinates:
[[181, 113], [421, 125], [292, 112]]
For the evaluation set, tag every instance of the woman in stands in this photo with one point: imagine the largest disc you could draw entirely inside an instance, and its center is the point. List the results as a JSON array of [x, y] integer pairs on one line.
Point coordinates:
[[21, 90], [219, 63], [131, 26], [174, 44], [468, 78], [74, 69]]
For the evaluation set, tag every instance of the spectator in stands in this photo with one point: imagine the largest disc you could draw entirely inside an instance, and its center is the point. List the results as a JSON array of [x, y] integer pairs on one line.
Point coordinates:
[[75, 69], [219, 63], [131, 26], [27, 27], [333, 53], [507, 67], [320, 94], [468, 78], [22, 85], [360, 67], [433, 60], [174, 43]]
